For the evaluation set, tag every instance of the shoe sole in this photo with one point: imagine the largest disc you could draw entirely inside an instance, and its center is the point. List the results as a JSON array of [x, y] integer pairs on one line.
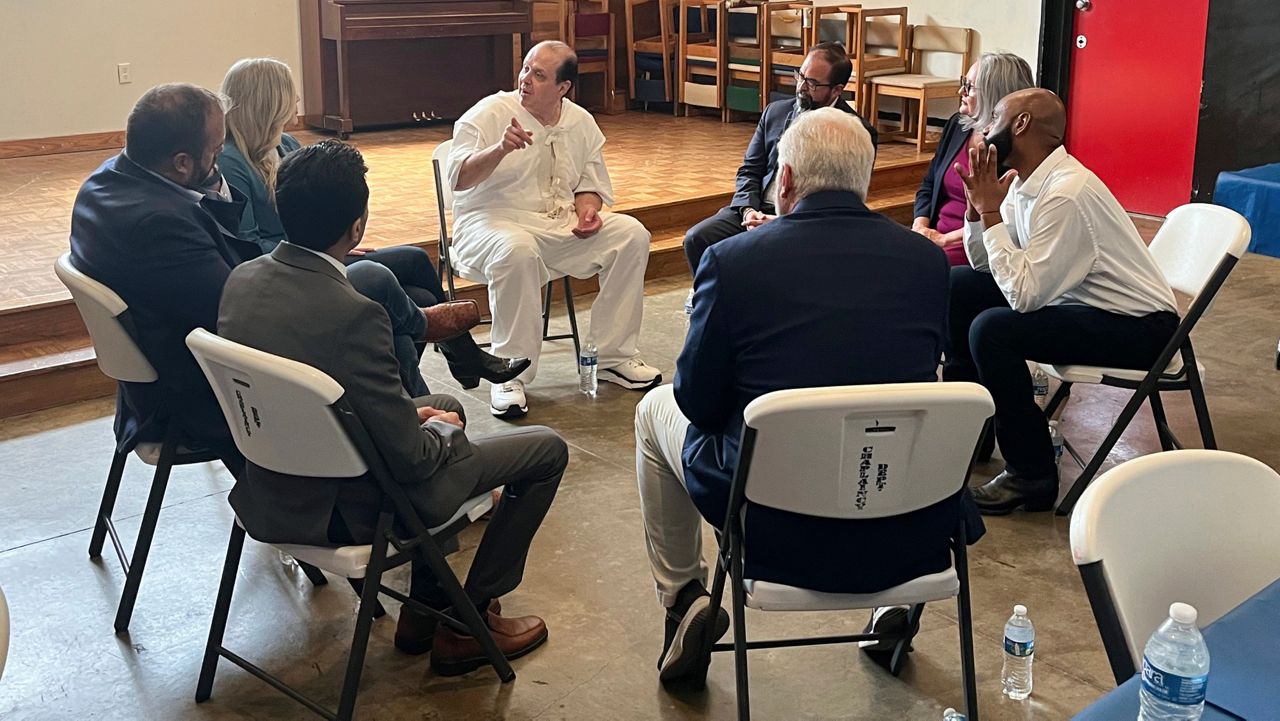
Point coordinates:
[[621, 380], [511, 413], [689, 651], [467, 665], [1037, 506]]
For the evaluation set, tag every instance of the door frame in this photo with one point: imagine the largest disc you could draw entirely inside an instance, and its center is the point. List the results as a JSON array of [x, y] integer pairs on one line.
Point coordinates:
[[1056, 39]]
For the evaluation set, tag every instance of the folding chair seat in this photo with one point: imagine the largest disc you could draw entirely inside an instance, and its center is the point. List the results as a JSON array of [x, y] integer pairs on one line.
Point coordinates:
[[811, 451], [309, 429]]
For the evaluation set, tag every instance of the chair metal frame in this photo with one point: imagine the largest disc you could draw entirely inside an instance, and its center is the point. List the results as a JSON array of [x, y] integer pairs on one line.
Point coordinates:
[[1155, 381], [445, 267], [729, 569], [391, 547]]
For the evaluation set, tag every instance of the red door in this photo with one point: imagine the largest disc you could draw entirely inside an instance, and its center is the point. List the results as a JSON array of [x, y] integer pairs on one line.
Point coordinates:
[[1134, 97]]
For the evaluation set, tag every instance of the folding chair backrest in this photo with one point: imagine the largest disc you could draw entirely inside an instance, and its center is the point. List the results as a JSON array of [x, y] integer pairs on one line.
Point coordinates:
[[592, 25], [863, 451], [279, 411], [1194, 526], [118, 355], [440, 166], [1194, 239]]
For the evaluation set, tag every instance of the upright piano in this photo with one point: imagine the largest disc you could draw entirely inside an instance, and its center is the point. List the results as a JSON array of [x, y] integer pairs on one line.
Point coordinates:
[[377, 63]]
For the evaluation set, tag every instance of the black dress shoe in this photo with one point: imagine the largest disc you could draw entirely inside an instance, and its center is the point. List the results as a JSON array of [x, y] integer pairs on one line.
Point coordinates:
[[1009, 491], [468, 363]]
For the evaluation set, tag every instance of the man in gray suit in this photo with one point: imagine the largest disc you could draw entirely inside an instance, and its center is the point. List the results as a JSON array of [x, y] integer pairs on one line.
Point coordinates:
[[297, 303]]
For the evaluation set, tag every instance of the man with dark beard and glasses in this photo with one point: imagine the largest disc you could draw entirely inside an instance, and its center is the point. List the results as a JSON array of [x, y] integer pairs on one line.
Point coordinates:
[[819, 84], [1059, 276]]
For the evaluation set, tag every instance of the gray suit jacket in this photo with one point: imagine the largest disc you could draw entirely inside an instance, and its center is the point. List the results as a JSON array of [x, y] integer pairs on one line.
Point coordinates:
[[294, 304]]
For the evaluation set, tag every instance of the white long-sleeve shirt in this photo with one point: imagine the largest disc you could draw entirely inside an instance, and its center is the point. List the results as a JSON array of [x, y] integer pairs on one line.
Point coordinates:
[[563, 160], [1066, 240]]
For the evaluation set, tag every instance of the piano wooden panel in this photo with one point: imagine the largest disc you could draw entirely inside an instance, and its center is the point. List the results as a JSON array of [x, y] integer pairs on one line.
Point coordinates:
[[378, 63]]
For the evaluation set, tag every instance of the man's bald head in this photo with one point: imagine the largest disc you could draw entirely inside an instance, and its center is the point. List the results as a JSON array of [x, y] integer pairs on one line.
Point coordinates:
[[561, 57], [1047, 117]]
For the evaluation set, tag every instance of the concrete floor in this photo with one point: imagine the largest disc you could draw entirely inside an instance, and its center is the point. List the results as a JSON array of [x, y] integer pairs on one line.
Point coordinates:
[[587, 575]]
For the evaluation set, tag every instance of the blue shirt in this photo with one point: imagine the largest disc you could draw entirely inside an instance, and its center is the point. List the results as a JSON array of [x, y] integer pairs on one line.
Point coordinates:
[[260, 223]]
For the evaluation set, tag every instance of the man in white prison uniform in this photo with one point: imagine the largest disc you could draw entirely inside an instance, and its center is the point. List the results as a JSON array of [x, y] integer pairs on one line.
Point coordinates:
[[528, 172]]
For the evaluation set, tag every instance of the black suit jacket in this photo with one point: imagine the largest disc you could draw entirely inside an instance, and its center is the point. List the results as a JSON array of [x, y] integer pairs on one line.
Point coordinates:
[[167, 253], [829, 294], [761, 160], [296, 304], [928, 197]]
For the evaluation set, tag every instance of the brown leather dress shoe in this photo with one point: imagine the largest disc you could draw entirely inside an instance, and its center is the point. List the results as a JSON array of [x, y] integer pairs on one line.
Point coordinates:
[[450, 319], [453, 654], [415, 630]]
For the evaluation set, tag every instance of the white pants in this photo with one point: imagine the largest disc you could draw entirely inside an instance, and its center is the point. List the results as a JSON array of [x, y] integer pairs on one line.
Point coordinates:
[[672, 523], [519, 252]]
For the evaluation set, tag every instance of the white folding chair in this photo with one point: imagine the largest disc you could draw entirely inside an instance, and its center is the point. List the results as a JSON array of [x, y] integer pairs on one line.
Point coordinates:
[[1196, 249], [855, 453], [105, 315], [448, 267], [303, 426], [1193, 526]]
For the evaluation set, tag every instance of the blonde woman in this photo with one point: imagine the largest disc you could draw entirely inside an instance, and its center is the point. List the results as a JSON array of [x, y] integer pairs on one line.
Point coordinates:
[[263, 100]]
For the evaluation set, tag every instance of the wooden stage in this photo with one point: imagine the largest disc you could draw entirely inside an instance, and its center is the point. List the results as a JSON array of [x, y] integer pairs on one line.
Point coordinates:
[[669, 172]]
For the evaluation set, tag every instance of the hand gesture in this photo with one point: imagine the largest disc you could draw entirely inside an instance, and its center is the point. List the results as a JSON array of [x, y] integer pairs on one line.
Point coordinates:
[[589, 223], [515, 137], [426, 413], [753, 219], [984, 190], [358, 252]]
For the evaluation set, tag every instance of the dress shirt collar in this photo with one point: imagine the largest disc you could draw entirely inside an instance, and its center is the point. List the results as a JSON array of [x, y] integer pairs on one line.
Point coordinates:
[[332, 260], [223, 192], [1034, 183]]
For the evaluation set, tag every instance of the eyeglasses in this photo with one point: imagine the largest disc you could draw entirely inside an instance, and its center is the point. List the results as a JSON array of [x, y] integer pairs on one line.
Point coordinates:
[[966, 87], [810, 83]]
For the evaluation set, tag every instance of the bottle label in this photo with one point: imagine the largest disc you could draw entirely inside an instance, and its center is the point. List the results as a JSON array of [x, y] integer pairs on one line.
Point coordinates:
[[1172, 688], [1019, 648], [587, 360]]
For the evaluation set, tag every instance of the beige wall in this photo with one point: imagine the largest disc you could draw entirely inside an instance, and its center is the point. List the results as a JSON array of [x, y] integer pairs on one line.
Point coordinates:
[[58, 57]]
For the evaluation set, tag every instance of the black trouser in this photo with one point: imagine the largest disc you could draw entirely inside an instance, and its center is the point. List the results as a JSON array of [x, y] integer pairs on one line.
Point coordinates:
[[726, 223], [412, 267], [991, 343]]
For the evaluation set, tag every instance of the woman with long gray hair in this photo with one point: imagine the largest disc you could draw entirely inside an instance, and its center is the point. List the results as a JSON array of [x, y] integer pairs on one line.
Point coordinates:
[[939, 209]]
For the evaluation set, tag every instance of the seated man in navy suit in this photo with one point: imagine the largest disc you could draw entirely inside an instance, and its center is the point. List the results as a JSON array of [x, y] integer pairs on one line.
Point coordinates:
[[819, 84], [829, 293], [157, 225]]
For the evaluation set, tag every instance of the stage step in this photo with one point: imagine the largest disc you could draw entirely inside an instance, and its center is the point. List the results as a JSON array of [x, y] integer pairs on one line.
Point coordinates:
[[46, 359]]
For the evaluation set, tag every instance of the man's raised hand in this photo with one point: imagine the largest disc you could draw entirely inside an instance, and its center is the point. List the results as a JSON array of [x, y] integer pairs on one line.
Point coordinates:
[[515, 137]]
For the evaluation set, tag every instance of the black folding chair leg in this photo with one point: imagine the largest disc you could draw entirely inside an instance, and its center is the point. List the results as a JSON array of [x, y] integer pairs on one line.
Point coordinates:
[[1167, 440], [573, 317], [314, 575], [357, 585], [1100, 456], [108, 503], [221, 609], [903, 646], [1201, 405], [966, 631], [147, 531], [364, 623], [546, 310], [741, 680]]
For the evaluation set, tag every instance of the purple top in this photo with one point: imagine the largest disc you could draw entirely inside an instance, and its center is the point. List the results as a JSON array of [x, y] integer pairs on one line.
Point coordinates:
[[951, 212]]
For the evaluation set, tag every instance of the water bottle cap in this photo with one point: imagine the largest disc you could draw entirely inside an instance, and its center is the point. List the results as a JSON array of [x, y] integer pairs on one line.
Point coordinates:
[[948, 711], [1183, 613], [1019, 610]]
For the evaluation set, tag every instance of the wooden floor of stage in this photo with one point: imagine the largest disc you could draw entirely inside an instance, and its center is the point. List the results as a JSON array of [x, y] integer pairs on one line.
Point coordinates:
[[653, 158]]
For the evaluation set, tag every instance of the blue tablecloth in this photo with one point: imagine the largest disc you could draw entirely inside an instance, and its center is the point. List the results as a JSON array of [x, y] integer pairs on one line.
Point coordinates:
[[1255, 194], [1244, 667]]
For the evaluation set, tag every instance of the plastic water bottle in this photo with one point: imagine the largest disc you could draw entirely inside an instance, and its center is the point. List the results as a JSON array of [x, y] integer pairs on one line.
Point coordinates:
[[1040, 386], [688, 309], [1055, 435], [587, 382], [1019, 653], [1175, 669], [952, 715]]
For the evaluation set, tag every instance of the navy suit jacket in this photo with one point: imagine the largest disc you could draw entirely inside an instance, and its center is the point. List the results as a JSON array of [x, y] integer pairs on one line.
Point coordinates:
[[829, 294], [761, 159], [927, 197], [167, 255]]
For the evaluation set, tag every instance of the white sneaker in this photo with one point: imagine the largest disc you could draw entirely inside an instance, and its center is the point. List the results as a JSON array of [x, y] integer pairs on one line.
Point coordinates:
[[633, 374], [507, 401]]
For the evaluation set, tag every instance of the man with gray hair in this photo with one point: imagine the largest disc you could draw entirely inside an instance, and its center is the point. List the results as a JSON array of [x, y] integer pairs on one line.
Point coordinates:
[[830, 293]]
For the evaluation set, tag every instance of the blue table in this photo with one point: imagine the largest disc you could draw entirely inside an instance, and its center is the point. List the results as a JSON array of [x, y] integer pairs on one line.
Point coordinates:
[[1244, 667], [1255, 194]]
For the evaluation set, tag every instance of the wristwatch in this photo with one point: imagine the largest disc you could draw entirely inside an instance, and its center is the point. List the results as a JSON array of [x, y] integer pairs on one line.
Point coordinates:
[[748, 209]]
